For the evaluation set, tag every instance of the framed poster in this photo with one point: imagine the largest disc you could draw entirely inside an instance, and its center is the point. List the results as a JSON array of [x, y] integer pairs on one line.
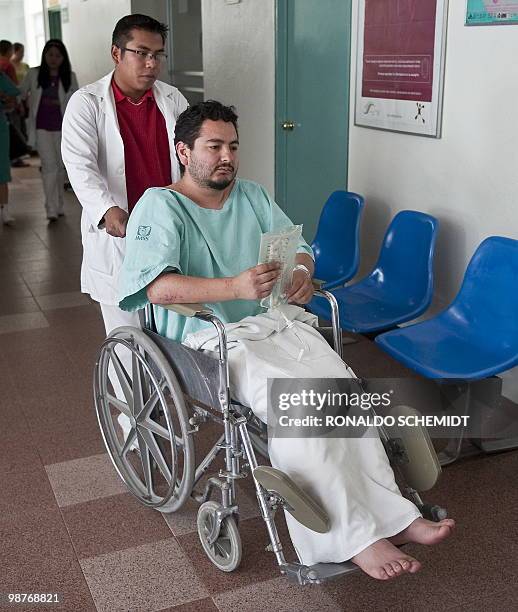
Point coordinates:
[[400, 65], [491, 12]]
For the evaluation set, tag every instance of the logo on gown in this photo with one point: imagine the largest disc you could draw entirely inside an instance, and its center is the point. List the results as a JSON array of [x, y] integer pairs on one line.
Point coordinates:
[[143, 232]]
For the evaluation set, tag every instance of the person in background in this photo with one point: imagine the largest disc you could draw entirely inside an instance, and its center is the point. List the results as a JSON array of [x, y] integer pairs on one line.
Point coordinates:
[[8, 91], [47, 89], [20, 67], [6, 51], [17, 116]]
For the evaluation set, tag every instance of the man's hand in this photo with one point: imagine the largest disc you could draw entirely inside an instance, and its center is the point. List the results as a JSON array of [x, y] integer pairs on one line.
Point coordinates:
[[115, 221], [301, 290], [256, 283]]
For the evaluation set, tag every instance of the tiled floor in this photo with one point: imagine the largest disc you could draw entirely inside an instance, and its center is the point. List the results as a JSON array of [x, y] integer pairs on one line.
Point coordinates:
[[67, 524]]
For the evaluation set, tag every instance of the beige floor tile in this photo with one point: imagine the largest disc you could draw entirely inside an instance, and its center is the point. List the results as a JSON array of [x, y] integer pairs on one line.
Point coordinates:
[[150, 577], [63, 300], [62, 284], [22, 322], [82, 480]]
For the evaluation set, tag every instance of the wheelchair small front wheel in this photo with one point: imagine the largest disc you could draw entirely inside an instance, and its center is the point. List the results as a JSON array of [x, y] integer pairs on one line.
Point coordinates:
[[226, 551]]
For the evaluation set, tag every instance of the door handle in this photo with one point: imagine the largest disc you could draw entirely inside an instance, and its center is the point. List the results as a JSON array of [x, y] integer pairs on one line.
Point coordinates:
[[288, 125]]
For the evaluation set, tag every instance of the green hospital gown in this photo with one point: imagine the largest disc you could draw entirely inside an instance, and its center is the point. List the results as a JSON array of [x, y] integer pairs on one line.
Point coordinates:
[[167, 231]]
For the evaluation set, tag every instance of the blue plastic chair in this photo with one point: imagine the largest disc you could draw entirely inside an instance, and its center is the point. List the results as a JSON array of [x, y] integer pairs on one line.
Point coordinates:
[[400, 286], [336, 244], [476, 337]]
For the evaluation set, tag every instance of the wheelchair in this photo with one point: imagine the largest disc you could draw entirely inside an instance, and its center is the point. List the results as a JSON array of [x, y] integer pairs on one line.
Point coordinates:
[[170, 392]]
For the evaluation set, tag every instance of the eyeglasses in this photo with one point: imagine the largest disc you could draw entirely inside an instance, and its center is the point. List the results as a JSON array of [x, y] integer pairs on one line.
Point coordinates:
[[146, 55]]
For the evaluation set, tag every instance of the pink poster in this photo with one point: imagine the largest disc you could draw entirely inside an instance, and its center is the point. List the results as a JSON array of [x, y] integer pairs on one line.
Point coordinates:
[[400, 65], [398, 49]]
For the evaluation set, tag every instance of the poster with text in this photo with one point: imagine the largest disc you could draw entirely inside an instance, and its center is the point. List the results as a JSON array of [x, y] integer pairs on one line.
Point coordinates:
[[491, 12], [400, 65]]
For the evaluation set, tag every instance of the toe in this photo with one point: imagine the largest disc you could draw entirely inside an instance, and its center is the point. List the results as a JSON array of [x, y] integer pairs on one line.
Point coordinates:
[[390, 571], [415, 566], [382, 574], [397, 567]]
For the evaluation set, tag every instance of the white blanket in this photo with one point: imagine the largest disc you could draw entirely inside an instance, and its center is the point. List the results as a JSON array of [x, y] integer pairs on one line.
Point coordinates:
[[350, 477]]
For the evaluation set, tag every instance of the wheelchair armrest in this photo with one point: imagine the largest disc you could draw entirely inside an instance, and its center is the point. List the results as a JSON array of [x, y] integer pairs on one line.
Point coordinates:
[[335, 314], [189, 310]]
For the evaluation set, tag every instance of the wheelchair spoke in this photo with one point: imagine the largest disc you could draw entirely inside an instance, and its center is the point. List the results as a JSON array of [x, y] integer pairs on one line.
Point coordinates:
[[146, 464], [151, 402], [161, 431], [122, 406], [157, 455], [129, 441], [137, 384], [222, 546], [123, 378]]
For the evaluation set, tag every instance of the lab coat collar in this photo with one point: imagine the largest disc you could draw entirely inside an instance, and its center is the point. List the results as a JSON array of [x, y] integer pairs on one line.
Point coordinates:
[[102, 88]]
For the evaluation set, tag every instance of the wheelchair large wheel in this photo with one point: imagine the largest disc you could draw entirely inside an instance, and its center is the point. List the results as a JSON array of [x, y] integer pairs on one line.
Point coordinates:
[[226, 551], [132, 377]]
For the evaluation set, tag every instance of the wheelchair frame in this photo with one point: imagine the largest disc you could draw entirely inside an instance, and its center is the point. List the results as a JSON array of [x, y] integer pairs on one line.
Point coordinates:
[[216, 522]]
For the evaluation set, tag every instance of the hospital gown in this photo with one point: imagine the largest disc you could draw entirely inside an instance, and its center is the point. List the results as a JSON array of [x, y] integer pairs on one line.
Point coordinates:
[[350, 477]]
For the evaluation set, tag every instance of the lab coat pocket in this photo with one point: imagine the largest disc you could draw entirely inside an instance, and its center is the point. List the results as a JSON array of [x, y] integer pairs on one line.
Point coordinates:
[[99, 251]]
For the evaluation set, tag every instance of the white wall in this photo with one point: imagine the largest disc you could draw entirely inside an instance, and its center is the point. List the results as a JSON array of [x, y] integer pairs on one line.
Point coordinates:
[[469, 178], [88, 34], [22, 21], [12, 21], [239, 67]]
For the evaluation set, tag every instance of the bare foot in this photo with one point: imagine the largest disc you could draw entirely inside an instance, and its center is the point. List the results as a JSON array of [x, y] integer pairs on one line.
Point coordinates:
[[422, 531], [383, 561]]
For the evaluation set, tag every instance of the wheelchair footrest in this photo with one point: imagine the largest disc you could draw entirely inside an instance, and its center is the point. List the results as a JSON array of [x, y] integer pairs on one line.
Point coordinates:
[[318, 573], [418, 462], [299, 504]]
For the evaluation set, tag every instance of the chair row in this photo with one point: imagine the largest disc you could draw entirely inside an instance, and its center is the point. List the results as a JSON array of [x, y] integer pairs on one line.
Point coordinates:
[[474, 338], [400, 286]]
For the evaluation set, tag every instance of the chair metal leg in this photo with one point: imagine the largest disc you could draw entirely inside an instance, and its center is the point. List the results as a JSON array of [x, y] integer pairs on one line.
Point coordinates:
[[453, 449]]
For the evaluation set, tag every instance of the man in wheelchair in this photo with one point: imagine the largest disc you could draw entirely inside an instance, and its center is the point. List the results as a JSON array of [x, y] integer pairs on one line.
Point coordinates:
[[197, 240]]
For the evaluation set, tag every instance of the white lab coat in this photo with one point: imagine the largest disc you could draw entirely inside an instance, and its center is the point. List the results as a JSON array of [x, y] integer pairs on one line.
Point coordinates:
[[350, 478], [32, 91], [93, 153]]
